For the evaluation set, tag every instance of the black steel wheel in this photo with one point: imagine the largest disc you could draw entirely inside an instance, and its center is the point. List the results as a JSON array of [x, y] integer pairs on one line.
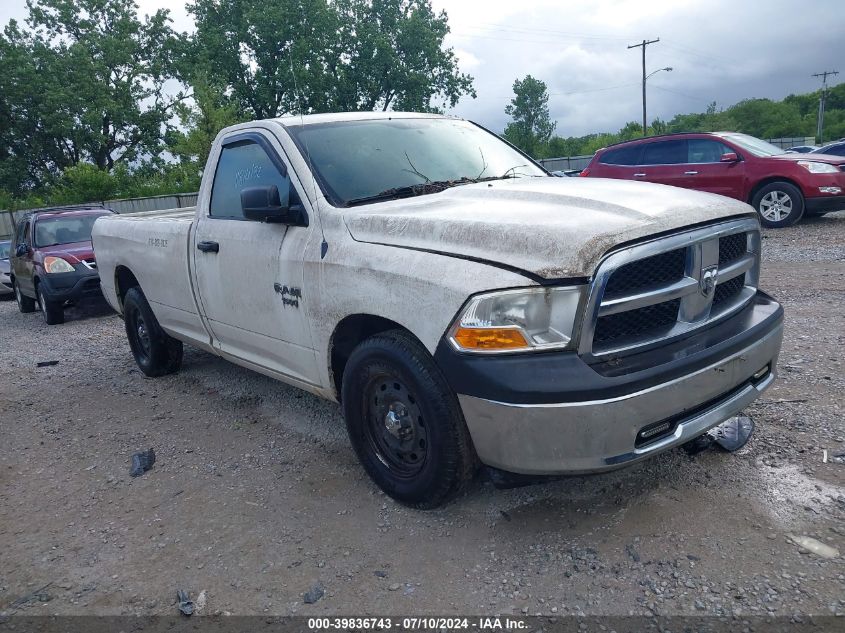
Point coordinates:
[[404, 421], [155, 352], [395, 426]]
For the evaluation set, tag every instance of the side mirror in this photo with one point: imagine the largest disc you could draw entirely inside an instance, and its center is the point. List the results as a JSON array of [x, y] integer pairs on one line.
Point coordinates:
[[264, 204], [729, 157], [21, 250]]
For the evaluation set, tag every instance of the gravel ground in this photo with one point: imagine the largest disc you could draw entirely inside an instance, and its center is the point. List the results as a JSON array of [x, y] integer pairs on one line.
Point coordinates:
[[256, 496]]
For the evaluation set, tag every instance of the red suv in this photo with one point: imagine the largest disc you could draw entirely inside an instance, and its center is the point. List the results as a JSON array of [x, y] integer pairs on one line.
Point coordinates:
[[781, 187], [52, 260]]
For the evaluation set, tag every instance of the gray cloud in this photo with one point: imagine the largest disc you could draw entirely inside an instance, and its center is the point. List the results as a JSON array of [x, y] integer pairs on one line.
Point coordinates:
[[720, 50]]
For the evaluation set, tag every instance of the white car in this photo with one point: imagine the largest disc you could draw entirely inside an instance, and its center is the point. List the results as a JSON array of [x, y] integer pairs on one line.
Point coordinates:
[[462, 305]]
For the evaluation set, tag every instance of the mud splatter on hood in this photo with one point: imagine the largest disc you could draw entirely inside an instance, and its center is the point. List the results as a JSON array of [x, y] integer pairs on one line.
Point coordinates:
[[551, 227]]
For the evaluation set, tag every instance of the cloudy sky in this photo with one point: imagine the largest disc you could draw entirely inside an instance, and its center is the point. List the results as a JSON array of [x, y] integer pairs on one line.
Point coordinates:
[[720, 50]]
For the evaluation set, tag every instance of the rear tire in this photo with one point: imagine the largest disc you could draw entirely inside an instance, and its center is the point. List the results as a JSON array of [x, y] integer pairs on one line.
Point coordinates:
[[779, 204], [25, 304], [53, 311], [404, 421], [155, 352]]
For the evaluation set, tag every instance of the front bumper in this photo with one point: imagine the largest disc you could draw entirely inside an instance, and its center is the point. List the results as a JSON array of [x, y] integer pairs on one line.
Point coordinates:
[[589, 418], [83, 283], [825, 203]]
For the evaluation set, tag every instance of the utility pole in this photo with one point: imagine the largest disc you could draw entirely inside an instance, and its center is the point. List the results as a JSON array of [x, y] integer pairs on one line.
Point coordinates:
[[824, 75], [644, 44]]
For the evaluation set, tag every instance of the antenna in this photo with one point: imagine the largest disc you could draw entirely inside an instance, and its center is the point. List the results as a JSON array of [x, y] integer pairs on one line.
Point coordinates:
[[324, 245]]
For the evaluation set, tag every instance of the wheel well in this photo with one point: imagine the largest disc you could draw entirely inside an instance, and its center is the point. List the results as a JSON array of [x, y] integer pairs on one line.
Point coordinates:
[[123, 281], [769, 181], [351, 331]]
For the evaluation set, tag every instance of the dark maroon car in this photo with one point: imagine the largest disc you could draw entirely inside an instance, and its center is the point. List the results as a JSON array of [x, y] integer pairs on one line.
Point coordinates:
[[781, 187], [52, 260]]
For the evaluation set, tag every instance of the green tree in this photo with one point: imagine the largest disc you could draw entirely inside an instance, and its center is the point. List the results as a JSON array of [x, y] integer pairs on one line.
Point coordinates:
[[33, 122], [531, 127], [397, 58], [287, 56], [84, 82], [630, 131], [85, 183], [200, 121]]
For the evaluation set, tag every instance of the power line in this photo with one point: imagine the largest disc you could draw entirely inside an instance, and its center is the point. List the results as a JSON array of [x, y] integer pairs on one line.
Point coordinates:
[[692, 51], [460, 34], [583, 36], [683, 94], [578, 92]]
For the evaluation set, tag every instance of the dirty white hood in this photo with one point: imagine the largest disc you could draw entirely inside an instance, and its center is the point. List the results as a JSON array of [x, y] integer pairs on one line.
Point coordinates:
[[550, 227]]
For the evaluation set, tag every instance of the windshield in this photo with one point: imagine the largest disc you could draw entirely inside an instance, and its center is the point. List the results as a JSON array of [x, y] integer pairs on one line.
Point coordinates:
[[4, 249], [64, 230], [756, 146], [358, 160]]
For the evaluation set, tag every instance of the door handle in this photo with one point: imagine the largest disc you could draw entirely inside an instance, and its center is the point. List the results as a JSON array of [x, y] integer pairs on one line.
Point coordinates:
[[639, 175], [690, 173], [208, 247]]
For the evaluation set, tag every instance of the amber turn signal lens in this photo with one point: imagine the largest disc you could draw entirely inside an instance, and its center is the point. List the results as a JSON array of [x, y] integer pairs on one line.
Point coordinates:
[[489, 338]]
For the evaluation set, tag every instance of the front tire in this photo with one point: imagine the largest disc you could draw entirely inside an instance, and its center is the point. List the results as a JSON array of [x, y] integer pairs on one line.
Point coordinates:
[[25, 304], [156, 352], [404, 421], [779, 204], [53, 312]]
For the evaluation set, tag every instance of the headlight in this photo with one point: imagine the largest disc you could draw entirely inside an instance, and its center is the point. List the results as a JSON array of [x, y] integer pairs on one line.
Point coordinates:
[[518, 320], [57, 265], [818, 168]]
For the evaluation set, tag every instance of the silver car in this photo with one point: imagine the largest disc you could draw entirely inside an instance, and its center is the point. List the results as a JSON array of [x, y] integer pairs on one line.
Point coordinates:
[[5, 282]]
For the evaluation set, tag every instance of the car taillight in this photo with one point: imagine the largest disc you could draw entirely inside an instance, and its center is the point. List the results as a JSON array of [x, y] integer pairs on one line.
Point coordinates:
[[585, 172]]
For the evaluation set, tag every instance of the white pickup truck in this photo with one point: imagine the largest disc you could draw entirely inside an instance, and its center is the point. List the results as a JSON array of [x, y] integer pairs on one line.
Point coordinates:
[[463, 306]]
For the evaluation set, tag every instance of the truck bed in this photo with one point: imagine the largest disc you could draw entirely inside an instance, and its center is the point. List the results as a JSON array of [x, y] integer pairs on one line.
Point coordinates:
[[153, 247]]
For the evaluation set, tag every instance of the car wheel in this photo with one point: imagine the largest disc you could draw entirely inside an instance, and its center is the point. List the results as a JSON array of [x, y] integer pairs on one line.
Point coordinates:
[[25, 304], [53, 312], [404, 421], [779, 204], [156, 352]]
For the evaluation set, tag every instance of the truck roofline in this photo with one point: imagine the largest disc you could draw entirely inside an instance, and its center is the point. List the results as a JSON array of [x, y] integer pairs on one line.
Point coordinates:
[[339, 117]]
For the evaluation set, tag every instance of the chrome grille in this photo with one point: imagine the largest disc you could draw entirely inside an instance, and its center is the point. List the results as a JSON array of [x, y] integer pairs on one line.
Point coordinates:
[[650, 293], [732, 247], [727, 290], [662, 268], [91, 264], [636, 322]]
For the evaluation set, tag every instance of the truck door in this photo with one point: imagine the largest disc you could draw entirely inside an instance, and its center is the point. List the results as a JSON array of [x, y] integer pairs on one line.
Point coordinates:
[[248, 274]]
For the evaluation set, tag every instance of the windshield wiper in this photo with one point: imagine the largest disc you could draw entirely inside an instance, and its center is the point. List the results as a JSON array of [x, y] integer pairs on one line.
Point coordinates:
[[434, 186], [512, 173], [410, 191]]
